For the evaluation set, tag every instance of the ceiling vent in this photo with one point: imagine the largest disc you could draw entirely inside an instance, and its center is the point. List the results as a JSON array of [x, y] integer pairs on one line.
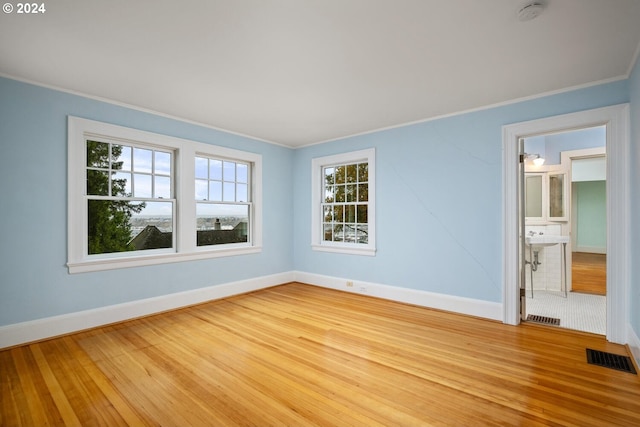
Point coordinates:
[[530, 11]]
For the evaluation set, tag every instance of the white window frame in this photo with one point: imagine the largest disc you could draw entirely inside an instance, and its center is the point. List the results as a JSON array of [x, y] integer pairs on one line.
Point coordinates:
[[248, 202], [184, 153], [317, 192]]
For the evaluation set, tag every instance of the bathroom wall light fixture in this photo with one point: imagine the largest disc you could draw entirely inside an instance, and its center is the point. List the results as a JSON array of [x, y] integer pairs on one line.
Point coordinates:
[[535, 158]]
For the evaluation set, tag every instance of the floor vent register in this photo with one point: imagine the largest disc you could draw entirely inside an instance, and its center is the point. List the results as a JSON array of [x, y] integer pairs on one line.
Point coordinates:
[[610, 360], [543, 319]]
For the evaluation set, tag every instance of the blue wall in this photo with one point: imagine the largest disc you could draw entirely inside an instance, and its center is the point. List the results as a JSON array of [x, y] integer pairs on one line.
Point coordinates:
[[34, 282], [438, 215], [549, 147], [574, 140], [439, 198], [634, 297]]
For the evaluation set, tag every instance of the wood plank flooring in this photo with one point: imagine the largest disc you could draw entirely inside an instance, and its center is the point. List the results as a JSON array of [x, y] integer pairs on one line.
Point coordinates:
[[589, 273], [299, 355]]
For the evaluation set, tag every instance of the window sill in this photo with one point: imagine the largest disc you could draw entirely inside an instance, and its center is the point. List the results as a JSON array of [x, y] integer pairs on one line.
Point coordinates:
[[87, 266], [344, 249]]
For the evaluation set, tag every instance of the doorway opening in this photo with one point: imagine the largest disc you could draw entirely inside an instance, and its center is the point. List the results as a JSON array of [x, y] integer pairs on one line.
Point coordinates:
[[565, 225], [616, 122]]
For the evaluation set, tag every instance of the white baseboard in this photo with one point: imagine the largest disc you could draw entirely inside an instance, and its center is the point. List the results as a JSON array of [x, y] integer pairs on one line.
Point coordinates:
[[468, 306], [634, 344], [40, 329], [36, 330], [590, 249]]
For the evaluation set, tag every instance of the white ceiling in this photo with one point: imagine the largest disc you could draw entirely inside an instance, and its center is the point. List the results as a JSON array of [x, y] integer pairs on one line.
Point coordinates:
[[297, 72]]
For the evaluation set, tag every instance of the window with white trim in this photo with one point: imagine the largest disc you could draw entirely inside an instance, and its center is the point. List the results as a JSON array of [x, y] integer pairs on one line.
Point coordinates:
[[131, 198], [222, 201], [130, 204], [343, 195]]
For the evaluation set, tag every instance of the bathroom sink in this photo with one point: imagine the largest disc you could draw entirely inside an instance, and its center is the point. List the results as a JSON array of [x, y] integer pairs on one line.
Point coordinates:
[[544, 240]]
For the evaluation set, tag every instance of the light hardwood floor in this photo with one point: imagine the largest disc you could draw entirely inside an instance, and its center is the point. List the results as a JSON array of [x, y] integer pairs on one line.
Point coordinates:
[[589, 273], [300, 355]]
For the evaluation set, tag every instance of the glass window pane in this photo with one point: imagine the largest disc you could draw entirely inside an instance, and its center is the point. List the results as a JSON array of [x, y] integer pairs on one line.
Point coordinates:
[[328, 193], [351, 193], [153, 226], [352, 173], [215, 169], [329, 178], [121, 184], [338, 213], [162, 163], [338, 233], [142, 160], [242, 193], [350, 233], [328, 232], [363, 172], [220, 224], [362, 234], [108, 226], [121, 226], [215, 191], [162, 187], [340, 174], [121, 155], [141, 185], [556, 196], [201, 167], [363, 216], [328, 213], [229, 173], [97, 154], [201, 189], [97, 183], [229, 192], [363, 192], [350, 213], [242, 173], [340, 193]]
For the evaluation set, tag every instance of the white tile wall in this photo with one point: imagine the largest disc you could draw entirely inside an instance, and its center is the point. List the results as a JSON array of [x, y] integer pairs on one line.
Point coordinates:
[[549, 274]]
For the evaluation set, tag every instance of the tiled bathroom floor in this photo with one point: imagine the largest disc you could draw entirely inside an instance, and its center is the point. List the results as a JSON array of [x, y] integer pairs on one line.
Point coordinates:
[[582, 312]]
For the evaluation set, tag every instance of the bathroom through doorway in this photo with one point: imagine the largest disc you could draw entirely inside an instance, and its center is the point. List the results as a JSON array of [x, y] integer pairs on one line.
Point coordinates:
[[616, 121], [565, 227]]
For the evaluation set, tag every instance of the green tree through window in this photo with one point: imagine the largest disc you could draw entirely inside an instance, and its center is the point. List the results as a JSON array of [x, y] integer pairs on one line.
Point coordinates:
[[109, 220], [345, 204]]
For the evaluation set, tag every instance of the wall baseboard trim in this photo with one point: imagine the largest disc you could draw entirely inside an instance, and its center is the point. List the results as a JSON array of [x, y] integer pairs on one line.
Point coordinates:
[[50, 327], [41, 329], [634, 344], [590, 249], [455, 304]]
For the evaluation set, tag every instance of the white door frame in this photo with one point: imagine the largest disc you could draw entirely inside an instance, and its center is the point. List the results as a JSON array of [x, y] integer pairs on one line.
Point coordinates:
[[616, 119]]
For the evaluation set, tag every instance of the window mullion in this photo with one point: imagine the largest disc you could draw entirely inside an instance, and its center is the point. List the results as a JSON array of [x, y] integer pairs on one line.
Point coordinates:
[[185, 189]]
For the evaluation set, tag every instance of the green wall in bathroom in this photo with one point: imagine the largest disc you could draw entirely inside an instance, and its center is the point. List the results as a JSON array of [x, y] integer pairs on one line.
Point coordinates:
[[591, 215]]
